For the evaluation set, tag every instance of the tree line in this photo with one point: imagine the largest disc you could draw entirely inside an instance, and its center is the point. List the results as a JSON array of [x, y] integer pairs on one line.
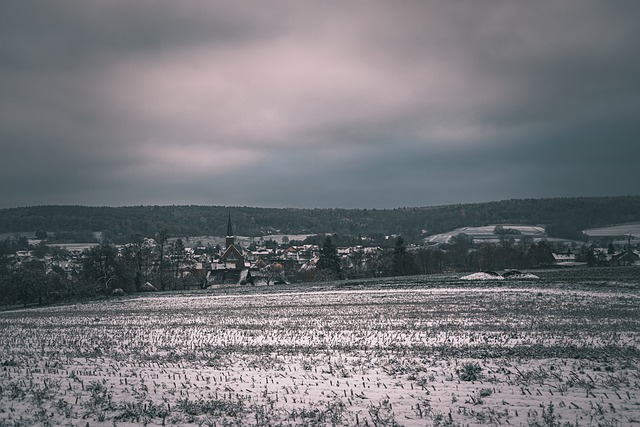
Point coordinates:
[[563, 217], [460, 254], [100, 270], [106, 267]]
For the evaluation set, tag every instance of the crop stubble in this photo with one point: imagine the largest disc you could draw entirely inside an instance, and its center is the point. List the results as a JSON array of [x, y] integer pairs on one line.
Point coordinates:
[[475, 355]]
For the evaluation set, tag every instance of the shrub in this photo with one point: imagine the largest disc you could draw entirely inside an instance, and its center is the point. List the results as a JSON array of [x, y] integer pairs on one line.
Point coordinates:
[[470, 372]]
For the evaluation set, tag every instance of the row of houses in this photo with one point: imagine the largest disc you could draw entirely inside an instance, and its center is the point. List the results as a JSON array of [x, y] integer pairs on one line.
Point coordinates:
[[232, 265], [236, 265], [602, 257]]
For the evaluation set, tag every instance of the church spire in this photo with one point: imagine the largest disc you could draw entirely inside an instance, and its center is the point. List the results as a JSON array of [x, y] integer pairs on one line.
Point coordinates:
[[230, 238], [229, 229]]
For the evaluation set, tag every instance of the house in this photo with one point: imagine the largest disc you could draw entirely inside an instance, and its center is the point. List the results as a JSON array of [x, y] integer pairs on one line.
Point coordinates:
[[566, 260], [22, 257], [624, 258]]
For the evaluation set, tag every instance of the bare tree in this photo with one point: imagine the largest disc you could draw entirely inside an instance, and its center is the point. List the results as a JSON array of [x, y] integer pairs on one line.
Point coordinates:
[[177, 258], [101, 265], [162, 237]]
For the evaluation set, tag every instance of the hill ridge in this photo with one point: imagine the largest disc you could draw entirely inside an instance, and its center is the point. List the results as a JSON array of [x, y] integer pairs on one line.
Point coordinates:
[[563, 217]]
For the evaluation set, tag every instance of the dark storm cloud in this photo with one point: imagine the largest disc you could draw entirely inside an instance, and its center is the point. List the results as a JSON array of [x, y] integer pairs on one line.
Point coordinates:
[[363, 104]]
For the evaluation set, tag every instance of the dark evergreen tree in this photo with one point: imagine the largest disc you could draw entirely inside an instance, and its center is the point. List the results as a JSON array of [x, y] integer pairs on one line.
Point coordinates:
[[402, 263], [329, 261]]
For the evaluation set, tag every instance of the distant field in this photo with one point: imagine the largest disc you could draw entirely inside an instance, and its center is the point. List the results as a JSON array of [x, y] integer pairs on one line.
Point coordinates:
[[434, 350], [615, 231], [242, 240], [486, 233], [74, 246]]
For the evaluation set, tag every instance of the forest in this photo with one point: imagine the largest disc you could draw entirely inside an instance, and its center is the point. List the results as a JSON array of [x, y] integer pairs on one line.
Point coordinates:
[[562, 217]]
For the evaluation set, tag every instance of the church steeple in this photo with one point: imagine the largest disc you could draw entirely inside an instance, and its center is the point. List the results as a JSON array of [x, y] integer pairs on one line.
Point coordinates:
[[230, 237]]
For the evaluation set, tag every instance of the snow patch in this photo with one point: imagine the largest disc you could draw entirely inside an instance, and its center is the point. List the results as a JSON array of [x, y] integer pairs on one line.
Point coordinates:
[[483, 276], [492, 275]]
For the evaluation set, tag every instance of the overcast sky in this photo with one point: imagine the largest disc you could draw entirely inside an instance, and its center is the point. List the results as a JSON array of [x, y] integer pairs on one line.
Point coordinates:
[[368, 104]]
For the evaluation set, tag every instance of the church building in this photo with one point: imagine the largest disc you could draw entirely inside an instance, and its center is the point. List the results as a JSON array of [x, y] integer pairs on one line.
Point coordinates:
[[232, 257], [230, 267]]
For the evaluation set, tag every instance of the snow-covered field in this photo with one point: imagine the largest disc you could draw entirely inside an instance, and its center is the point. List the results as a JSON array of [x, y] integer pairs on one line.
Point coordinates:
[[538, 353], [622, 230], [486, 233]]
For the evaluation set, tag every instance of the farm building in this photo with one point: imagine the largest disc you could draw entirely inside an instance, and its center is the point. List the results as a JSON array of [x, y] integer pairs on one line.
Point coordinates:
[[566, 260]]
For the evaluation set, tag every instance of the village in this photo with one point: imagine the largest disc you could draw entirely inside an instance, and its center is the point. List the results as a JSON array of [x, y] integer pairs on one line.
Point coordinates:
[[47, 273]]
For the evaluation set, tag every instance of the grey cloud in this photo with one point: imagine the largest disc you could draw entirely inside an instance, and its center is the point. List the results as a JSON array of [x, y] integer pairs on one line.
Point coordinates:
[[325, 104]]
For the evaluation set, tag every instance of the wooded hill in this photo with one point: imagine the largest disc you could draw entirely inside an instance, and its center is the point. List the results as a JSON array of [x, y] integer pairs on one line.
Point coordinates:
[[563, 217]]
